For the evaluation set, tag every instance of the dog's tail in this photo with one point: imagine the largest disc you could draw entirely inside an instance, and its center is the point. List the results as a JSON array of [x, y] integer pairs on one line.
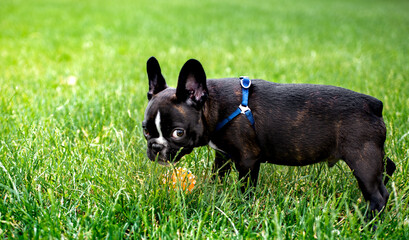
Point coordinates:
[[390, 168]]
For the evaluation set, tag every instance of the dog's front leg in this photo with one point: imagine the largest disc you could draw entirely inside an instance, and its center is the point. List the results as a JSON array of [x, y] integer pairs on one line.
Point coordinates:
[[222, 165], [248, 167]]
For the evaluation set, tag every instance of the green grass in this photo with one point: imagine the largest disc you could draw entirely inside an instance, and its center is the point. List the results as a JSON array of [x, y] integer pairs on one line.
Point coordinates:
[[72, 156]]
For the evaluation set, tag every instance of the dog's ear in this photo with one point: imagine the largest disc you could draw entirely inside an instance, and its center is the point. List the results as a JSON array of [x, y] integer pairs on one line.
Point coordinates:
[[157, 82], [192, 84]]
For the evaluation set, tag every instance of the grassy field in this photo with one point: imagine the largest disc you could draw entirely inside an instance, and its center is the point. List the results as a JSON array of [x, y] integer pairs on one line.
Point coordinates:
[[73, 91]]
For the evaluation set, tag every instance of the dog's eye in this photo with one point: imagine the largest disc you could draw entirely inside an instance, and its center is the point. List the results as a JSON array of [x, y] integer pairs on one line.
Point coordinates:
[[178, 133], [145, 132]]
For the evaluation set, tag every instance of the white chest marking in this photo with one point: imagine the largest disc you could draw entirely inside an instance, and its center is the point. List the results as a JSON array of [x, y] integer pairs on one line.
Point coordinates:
[[161, 139], [212, 145]]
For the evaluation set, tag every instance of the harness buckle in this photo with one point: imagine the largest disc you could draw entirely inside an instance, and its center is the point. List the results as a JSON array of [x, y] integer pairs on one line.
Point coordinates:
[[245, 82], [244, 109]]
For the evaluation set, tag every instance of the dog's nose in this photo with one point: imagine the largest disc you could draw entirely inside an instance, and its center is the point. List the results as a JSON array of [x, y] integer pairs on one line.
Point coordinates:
[[156, 147]]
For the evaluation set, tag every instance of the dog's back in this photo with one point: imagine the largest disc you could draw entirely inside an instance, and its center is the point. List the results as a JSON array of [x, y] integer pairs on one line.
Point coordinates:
[[301, 124]]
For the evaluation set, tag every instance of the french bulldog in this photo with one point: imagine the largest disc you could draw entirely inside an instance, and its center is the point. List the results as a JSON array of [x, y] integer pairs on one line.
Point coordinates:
[[294, 125]]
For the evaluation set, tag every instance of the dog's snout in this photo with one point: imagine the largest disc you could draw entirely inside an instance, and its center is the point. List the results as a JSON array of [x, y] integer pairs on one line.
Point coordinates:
[[156, 147]]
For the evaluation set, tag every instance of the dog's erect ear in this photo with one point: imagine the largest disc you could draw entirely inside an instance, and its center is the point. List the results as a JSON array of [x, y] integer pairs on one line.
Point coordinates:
[[192, 84], [157, 82]]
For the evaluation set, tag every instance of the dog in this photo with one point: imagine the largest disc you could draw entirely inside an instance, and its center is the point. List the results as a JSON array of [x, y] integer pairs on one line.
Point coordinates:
[[285, 124]]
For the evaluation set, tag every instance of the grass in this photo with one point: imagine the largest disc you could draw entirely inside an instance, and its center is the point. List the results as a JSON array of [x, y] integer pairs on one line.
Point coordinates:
[[72, 154]]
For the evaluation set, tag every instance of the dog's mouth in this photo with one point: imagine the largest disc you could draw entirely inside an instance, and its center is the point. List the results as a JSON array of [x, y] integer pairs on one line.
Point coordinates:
[[168, 157], [165, 163], [164, 160]]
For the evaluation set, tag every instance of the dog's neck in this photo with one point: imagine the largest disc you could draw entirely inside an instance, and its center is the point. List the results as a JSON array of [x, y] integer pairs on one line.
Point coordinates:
[[210, 111]]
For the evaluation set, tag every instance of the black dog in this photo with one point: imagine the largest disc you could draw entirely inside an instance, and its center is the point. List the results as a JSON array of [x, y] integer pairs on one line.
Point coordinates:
[[286, 124]]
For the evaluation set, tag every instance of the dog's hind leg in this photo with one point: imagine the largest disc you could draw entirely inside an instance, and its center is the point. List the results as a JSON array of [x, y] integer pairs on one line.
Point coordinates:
[[366, 162]]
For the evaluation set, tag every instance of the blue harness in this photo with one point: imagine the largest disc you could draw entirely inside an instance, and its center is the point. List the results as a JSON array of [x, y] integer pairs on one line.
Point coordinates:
[[243, 108]]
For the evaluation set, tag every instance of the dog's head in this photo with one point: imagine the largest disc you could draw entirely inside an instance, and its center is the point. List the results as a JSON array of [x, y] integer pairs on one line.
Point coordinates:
[[173, 123]]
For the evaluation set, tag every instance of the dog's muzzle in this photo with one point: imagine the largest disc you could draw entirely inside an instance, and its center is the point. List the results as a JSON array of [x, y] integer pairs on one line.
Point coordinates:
[[157, 148], [157, 151]]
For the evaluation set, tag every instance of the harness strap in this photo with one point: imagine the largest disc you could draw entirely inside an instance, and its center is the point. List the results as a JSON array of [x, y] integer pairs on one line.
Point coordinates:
[[243, 108]]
